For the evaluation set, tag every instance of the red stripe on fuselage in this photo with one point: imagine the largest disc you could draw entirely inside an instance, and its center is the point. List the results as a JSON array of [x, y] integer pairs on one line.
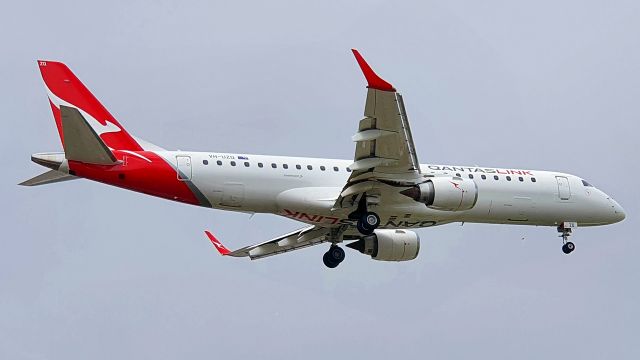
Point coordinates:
[[156, 178]]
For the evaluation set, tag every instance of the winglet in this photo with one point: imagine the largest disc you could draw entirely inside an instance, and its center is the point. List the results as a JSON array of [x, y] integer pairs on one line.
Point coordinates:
[[217, 244], [374, 81]]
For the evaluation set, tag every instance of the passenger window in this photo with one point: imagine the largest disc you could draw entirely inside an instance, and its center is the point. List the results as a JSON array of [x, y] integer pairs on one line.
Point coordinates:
[[219, 162], [273, 165], [533, 179], [246, 164], [323, 168], [206, 162], [285, 166], [495, 177], [508, 178], [458, 174], [348, 170], [298, 167], [470, 176], [335, 168], [484, 177], [260, 165], [309, 167], [233, 163], [521, 178]]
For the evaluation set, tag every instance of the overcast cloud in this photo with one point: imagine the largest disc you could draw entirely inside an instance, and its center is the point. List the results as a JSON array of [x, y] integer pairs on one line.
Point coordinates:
[[91, 271]]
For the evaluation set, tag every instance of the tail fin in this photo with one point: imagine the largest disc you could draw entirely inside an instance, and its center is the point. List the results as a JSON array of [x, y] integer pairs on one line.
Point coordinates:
[[65, 89]]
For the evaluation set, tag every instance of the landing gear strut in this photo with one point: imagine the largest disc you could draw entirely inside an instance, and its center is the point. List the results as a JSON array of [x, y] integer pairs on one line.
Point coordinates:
[[565, 231], [333, 257]]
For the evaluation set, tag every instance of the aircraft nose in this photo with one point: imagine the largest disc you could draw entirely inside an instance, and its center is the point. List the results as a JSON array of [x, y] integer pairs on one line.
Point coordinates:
[[618, 211]]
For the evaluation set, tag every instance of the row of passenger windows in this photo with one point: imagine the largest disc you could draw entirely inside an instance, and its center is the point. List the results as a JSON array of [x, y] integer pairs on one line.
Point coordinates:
[[496, 177], [275, 166]]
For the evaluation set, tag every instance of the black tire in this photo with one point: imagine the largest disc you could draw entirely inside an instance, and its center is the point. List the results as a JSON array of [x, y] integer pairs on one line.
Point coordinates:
[[328, 262], [568, 247], [371, 220], [363, 229], [571, 246], [336, 253]]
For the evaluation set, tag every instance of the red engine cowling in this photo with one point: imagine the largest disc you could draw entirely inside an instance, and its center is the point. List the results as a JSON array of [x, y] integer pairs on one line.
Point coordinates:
[[389, 245], [445, 193]]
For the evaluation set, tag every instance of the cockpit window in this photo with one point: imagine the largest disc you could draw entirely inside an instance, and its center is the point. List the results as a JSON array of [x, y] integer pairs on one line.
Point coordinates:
[[586, 183]]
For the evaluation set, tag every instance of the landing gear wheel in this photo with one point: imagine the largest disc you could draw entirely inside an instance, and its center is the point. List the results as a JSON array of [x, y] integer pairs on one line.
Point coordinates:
[[328, 262], [363, 228], [333, 257], [568, 247], [371, 219], [368, 222]]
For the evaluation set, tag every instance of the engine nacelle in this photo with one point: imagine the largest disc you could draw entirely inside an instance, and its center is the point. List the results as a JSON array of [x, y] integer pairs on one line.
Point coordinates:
[[389, 245], [445, 193]]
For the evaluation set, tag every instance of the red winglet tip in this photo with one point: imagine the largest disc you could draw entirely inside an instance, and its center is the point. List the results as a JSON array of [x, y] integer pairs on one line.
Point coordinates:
[[374, 81], [217, 244]]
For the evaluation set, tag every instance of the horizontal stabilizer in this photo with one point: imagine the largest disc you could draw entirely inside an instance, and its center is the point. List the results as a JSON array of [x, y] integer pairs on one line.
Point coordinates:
[[81, 143], [50, 177]]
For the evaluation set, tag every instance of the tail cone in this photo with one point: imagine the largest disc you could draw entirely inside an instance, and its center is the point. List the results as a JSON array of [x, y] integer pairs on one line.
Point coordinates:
[[357, 245], [412, 192]]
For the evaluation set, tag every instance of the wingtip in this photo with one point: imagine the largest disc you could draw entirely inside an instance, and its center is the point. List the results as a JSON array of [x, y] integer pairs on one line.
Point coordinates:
[[217, 244], [373, 80]]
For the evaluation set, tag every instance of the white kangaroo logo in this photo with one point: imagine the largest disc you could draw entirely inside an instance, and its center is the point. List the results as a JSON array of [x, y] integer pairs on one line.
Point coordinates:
[[99, 128]]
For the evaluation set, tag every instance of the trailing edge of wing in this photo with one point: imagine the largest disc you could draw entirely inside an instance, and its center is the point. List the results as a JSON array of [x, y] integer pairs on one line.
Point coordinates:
[[49, 177]]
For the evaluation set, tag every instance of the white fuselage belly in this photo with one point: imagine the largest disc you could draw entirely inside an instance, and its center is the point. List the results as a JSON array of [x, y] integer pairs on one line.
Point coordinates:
[[308, 195]]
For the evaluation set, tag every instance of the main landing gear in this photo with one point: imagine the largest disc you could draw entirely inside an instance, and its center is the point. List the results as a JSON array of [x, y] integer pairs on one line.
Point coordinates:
[[333, 257], [565, 231], [367, 221]]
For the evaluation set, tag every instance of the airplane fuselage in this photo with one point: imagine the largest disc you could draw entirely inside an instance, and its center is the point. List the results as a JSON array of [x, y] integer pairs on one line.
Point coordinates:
[[305, 189]]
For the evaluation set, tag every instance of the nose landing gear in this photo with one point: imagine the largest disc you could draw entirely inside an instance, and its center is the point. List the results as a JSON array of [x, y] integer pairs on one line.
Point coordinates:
[[568, 247], [565, 231]]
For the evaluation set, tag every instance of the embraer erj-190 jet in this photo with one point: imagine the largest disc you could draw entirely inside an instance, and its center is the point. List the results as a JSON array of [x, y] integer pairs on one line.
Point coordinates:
[[370, 203]]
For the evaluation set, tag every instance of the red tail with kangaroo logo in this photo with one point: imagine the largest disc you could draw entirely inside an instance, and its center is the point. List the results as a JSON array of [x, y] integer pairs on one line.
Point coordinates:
[[66, 90]]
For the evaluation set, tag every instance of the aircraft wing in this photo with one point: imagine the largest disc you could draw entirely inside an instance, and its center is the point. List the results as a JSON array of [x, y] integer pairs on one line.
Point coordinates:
[[309, 236], [385, 153]]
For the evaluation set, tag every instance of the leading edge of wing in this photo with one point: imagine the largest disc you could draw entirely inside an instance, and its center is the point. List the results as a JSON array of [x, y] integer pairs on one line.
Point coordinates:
[[373, 80]]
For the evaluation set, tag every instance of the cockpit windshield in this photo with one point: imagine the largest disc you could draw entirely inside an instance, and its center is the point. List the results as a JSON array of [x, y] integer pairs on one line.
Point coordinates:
[[586, 183]]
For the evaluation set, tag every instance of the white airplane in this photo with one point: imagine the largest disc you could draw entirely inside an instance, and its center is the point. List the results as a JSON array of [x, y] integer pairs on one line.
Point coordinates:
[[370, 202]]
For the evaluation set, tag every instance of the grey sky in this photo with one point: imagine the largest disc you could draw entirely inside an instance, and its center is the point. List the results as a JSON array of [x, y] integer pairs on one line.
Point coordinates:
[[90, 271]]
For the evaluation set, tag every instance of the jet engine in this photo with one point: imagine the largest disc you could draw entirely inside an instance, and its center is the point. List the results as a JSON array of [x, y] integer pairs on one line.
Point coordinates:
[[445, 193], [389, 245]]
